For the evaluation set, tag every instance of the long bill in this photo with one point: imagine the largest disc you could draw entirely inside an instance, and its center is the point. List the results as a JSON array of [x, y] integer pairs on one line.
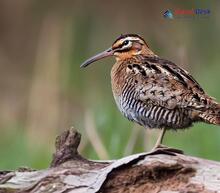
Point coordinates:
[[104, 54]]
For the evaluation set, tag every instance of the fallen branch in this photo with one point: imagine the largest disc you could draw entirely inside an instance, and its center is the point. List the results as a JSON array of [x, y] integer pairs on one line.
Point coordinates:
[[152, 172]]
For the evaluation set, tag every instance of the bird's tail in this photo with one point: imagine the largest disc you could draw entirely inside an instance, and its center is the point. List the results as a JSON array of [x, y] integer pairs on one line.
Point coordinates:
[[212, 115]]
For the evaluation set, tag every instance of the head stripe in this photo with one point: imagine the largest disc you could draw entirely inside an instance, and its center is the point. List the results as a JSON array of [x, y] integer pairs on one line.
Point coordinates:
[[130, 36]]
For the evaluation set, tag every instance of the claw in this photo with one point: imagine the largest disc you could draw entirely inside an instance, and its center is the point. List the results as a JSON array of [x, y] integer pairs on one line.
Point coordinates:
[[165, 149]]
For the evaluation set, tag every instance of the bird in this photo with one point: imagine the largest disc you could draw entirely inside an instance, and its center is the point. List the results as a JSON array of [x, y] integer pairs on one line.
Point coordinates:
[[155, 92]]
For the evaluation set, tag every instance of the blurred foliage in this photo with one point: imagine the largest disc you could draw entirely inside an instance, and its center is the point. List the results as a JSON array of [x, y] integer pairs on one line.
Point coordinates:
[[43, 90]]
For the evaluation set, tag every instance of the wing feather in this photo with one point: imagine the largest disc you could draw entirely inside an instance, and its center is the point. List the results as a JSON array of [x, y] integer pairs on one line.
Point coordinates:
[[166, 84]]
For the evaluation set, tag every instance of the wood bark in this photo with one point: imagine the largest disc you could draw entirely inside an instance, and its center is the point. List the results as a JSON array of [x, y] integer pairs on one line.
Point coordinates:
[[159, 171]]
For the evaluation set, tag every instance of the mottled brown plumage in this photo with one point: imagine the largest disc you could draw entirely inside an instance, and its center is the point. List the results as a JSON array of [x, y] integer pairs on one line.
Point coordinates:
[[154, 92]]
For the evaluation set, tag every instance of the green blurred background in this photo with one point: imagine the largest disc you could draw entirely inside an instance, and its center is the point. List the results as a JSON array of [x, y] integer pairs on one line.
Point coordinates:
[[44, 92]]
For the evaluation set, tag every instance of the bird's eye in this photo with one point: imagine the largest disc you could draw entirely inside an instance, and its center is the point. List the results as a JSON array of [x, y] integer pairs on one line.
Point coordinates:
[[126, 42]]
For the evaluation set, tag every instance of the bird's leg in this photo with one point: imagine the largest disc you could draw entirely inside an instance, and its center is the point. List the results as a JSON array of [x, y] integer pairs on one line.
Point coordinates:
[[159, 146], [160, 139]]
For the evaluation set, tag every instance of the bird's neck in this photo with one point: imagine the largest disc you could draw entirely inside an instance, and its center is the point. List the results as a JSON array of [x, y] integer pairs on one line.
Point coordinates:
[[147, 52], [117, 77], [118, 74]]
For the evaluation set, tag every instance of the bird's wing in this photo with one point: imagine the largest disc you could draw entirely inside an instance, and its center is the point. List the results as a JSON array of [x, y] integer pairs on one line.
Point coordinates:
[[164, 83]]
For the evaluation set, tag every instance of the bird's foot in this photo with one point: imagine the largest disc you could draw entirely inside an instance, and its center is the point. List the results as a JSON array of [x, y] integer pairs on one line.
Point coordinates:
[[165, 149]]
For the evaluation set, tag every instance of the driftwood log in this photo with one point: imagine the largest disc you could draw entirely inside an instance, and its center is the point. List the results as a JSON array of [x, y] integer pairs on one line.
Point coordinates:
[[160, 171]]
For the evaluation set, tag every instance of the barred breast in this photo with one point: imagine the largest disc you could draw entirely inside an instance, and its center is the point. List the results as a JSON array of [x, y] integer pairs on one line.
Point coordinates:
[[148, 114], [145, 113]]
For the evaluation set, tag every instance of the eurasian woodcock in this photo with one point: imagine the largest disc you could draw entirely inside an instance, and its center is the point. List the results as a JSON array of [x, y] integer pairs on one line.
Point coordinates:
[[155, 92]]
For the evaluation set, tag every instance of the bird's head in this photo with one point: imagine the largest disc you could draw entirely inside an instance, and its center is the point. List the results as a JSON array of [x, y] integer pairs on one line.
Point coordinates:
[[125, 46]]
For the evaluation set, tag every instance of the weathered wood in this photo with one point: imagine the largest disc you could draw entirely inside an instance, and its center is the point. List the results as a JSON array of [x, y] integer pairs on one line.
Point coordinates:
[[153, 172]]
